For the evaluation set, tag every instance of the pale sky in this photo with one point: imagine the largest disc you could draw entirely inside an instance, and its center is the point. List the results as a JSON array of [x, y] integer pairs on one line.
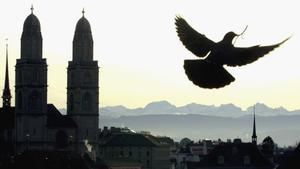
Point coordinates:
[[141, 57]]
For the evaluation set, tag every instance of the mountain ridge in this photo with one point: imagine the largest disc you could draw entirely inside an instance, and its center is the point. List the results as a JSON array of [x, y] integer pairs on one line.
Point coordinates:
[[197, 121], [223, 110]]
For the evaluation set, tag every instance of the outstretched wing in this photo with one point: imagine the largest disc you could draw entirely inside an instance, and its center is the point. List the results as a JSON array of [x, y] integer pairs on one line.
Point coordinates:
[[243, 56], [197, 43]]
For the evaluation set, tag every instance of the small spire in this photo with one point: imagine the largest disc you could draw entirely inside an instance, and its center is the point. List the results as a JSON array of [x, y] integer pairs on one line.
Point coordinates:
[[6, 40], [6, 91], [31, 9], [6, 86], [254, 137], [83, 12]]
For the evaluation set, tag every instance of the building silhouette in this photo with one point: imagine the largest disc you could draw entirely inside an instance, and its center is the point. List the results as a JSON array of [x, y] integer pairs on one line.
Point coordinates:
[[123, 148], [35, 124], [7, 118], [234, 155]]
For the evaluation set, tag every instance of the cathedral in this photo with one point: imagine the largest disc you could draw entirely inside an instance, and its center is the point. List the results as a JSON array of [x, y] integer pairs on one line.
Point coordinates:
[[35, 124]]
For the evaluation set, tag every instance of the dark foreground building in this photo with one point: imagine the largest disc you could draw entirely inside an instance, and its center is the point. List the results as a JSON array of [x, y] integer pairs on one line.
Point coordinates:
[[235, 155], [290, 161], [134, 150]]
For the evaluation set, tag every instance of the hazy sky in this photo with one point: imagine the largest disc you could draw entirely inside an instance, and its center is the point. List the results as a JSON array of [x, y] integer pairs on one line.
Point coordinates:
[[141, 57]]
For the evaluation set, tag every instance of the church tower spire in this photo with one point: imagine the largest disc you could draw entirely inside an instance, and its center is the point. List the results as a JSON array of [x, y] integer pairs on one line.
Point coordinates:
[[83, 86], [83, 41], [31, 40], [31, 70], [6, 96], [31, 86], [254, 137]]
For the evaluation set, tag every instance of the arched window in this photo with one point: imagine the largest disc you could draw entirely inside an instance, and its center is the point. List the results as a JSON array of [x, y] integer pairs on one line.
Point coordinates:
[[87, 78], [72, 78], [35, 76], [61, 139], [35, 101], [20, 79], [20, 100], [87, 102], [71, 102]]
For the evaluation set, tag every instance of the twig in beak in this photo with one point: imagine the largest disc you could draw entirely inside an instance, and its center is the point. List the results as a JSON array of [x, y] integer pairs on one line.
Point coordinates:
[[243, 31], [240, 34]]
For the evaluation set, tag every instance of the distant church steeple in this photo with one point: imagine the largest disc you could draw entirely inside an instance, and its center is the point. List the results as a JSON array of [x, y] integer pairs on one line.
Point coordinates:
[[254, 137], [6, 96]]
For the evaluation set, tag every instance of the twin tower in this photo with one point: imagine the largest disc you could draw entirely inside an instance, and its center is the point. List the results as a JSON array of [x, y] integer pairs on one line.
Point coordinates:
[[31, 107]]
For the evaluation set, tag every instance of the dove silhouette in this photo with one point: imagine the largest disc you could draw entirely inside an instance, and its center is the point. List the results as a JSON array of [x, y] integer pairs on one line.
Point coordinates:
[[209, 71]]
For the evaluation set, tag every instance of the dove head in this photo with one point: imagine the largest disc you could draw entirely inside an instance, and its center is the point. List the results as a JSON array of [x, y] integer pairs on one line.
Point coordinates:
[[229, 37]]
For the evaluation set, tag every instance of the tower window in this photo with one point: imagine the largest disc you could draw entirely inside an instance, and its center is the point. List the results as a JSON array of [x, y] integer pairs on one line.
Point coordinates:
[[71, 103], [35, 101], [35, 76], [87, 102], [87, 78], [19, 100], [72, 78], [61, 139], [20, 79]]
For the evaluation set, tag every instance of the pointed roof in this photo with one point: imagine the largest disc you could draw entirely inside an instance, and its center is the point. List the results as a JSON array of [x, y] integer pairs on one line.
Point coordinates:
[[254, 125], [56, 120], [130, 139], [6, 91], [83, 41]]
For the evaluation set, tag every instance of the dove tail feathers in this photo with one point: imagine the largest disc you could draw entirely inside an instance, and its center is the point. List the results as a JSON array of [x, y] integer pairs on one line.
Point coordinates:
[[206, 74]]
